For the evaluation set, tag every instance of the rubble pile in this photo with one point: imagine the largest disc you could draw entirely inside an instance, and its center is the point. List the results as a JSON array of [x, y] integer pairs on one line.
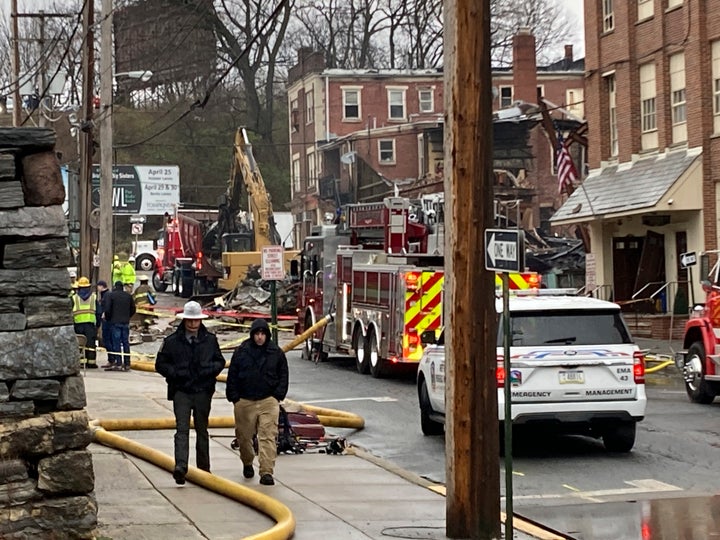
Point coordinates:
[[46, 472], [252, 295]]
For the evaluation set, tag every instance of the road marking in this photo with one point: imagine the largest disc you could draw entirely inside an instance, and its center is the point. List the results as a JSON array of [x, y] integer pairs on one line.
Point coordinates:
[[639, 486], [383, 399]]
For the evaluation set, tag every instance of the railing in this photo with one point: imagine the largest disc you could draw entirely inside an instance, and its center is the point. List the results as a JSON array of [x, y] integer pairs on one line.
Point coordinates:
[[601, 292], [662, 298]]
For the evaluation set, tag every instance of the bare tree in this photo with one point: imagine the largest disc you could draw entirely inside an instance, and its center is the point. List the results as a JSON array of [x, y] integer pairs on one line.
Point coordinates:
[[236, 24], [544, 18]]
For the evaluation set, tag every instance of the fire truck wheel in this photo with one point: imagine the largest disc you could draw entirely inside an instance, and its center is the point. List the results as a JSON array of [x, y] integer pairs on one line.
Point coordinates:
[[307, 352], [158, 283], [377, 364], [360, 348], [144, 263], [698, 389], [429, 426]]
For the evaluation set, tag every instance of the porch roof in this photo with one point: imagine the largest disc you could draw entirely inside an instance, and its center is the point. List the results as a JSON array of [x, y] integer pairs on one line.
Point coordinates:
[[627, 188]]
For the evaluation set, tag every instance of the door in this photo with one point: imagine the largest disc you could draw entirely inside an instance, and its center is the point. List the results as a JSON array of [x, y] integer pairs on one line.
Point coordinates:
[[650, 275], [626, 260]]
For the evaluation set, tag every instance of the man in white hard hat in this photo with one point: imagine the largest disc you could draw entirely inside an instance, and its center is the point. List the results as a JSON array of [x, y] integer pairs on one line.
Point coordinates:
[[190, 359]]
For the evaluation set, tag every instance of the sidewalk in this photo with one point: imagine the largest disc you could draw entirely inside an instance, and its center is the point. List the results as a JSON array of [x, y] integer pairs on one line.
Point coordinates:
[[330, 496]]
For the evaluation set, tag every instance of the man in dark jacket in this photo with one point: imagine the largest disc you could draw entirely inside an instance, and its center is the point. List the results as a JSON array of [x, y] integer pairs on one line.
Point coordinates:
[[190, 360], [256, 384], [119, 307]]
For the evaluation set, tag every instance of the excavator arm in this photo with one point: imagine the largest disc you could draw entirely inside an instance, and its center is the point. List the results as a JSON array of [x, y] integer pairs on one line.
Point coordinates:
[[245, 168]]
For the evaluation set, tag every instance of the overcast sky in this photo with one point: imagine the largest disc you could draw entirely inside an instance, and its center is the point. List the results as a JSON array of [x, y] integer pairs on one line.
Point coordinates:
[[574, 9]]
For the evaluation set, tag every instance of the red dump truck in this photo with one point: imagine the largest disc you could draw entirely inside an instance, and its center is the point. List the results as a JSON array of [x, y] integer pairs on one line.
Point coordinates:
[[182, 265]]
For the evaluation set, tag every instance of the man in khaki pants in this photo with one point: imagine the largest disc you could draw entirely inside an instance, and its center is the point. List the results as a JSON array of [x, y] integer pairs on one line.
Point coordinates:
[[257, 382]]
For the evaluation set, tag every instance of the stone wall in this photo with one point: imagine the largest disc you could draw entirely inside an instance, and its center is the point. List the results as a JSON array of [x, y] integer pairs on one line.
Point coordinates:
[[46, 471]]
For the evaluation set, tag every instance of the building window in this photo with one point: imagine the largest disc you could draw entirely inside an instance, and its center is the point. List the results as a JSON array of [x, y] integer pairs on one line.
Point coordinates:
[[311, 170], [294, 115], [648, 112], [309, 107], [645, 9], [506, 96], [575, 102], [425, 98], [351, 104], [612, 115], [396, 104], [674, 3], [296, 174], [716, 85], [677, 98], [386, 151], [608, 15]]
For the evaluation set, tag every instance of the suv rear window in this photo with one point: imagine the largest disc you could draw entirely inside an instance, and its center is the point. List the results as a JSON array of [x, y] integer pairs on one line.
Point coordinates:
[[566, 327]]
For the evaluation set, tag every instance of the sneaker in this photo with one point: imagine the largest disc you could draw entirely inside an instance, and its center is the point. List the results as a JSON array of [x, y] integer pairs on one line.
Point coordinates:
[[179, 477], [267, 480], [106, 366], [248, 471], [110, 367], [92, 366], [126, 368]]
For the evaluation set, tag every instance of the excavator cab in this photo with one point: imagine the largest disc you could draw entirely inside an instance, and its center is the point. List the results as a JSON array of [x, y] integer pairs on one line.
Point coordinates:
[[238, 242]]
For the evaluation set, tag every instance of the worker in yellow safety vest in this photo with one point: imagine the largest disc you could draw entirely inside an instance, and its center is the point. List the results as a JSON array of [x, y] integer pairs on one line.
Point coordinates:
[[116, 270], [128, 275], [84, 318]]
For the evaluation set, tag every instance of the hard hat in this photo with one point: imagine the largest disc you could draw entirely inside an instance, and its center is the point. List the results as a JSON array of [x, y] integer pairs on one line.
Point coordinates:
[[144, 278], [73, 274], [83, 282], [131, 259], [73, 284], [116, 258]]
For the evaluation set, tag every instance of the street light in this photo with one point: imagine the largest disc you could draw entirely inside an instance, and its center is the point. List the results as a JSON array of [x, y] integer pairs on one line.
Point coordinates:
[[143, 75]]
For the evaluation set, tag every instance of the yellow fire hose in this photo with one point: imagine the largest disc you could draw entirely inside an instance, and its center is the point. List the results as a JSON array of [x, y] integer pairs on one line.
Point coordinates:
[[285, 522]]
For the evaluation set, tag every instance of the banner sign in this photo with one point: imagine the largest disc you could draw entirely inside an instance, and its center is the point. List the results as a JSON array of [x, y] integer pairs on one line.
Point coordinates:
[[141, 189]]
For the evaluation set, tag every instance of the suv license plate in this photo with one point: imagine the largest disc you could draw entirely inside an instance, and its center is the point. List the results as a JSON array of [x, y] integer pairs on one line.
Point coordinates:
[[572, 377]]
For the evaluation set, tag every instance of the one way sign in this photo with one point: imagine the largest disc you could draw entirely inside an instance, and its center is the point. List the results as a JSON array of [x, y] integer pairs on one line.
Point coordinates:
[[504, 250], [688, 259]]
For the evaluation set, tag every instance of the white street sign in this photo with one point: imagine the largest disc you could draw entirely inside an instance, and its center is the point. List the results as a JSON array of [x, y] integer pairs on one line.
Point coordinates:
[[273, 263], [136, 228], [688, 259]]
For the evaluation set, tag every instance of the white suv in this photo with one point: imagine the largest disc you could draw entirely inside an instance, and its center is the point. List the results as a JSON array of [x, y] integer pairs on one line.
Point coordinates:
[[573, 366]]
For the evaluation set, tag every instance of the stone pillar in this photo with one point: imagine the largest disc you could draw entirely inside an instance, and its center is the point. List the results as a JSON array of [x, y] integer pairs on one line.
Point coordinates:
[[46, 471]]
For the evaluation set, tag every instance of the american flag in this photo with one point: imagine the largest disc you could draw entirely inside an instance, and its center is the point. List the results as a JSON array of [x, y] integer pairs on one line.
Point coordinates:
[[566, 172]]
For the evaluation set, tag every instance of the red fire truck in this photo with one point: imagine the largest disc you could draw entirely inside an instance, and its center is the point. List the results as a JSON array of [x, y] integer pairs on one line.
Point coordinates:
[[699, 362], [381, 272]]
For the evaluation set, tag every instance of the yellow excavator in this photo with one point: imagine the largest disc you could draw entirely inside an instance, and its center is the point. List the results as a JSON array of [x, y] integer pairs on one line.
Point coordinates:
[[243, 235]]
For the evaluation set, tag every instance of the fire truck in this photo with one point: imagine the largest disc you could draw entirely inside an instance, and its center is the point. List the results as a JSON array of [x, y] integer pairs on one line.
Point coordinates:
[[381, 272], [699, 361]]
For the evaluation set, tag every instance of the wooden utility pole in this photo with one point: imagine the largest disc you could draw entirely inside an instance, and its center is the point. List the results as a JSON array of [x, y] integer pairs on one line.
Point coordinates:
[[472, 444], [105, 242], [15, 62], [86, 142]]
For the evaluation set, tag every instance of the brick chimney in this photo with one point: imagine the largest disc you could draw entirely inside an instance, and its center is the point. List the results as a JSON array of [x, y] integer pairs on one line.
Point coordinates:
[[524, 66], [568, 54], [309, 61]]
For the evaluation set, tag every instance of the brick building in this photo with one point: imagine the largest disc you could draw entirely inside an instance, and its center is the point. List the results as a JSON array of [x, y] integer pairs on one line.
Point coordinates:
[[356, 134], [653, 82]]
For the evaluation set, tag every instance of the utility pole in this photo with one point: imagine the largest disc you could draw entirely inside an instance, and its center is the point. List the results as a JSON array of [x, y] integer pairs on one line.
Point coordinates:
[[472, 437], [86, 142], [42, 121], [15, 62], [105, 247]]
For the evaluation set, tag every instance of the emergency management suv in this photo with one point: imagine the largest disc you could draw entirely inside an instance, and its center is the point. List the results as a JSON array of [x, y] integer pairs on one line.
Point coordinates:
[[573, 368]]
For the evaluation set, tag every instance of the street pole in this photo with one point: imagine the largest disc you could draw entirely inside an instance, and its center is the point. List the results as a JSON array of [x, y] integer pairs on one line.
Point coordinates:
[[106, 141], [15, 62], [86, 142], [471, 441]]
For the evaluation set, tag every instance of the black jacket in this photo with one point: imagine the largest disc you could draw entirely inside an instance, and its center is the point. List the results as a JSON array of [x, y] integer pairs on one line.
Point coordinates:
[[119, 306], [257, 372], [190, 368]]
